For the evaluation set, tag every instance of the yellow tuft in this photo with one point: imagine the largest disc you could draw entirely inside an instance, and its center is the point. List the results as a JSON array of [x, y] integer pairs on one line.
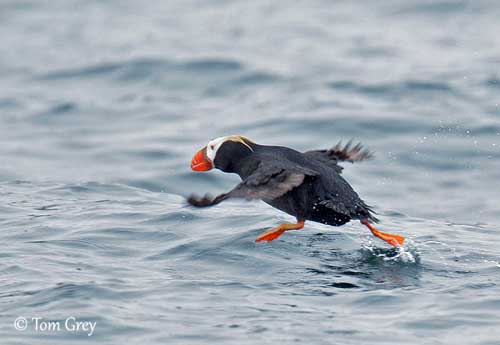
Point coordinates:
[[240, 139]]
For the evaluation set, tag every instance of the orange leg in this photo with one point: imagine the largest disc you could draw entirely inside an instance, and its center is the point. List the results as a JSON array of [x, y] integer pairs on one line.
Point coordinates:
[[276, 232], [394, 240]]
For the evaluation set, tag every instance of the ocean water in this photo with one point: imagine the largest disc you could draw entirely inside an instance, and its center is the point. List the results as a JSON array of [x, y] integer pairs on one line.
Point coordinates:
[[103, 103]]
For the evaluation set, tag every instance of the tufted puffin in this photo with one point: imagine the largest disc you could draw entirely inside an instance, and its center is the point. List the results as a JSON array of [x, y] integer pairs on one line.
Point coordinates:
[[306, 185]]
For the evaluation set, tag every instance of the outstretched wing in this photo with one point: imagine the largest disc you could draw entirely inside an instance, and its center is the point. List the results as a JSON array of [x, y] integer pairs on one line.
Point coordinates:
[[266, 182], [338, 153]]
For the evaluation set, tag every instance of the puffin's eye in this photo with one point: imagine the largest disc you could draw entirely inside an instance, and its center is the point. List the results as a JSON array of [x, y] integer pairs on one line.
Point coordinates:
[[212, 147]]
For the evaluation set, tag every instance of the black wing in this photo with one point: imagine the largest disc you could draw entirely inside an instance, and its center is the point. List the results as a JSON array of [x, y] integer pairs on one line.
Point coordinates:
[[266, 182], [338, 153]]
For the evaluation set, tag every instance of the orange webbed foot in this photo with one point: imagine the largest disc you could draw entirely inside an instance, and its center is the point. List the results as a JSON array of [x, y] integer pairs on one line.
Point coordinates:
[[270, 235], [276, 232], [393, 240]]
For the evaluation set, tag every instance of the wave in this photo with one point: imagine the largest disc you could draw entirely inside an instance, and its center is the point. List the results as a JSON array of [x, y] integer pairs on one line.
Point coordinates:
[[154, 68]]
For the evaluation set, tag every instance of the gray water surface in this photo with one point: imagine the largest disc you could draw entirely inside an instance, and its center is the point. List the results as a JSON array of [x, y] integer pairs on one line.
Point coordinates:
[[102, 105]]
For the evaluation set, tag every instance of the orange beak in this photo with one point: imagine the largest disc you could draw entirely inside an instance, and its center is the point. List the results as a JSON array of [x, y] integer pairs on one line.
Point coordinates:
[[200, 161]]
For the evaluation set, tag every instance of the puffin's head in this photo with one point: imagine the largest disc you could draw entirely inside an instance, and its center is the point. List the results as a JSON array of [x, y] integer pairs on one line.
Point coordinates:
[[221, 153]]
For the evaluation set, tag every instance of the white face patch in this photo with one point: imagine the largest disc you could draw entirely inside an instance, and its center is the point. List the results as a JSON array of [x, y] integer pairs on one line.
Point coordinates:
[[213, 146]]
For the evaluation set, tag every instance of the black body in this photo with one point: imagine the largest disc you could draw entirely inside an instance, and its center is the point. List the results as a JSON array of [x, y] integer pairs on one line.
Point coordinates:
[[322, 195]]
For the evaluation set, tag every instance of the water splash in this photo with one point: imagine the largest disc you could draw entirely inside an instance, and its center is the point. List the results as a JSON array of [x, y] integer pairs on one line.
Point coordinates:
[[402, 254]]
